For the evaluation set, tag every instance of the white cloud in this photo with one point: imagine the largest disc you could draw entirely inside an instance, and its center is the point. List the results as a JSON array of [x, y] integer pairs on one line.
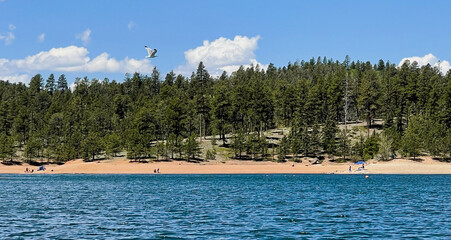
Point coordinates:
[[222, 55], [72, 86], [23, 78], [131, 25], [8, 38], [85, 36], [430, 59], [232, 68], [444, 66], [41, 37], [70, 59]]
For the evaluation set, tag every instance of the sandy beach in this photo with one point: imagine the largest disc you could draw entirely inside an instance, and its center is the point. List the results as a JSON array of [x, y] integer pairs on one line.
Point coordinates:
[[124, 166]]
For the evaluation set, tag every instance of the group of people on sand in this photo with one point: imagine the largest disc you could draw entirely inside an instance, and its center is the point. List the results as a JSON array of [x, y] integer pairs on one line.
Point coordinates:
[[41, 168], [358, 169], [156, 170]]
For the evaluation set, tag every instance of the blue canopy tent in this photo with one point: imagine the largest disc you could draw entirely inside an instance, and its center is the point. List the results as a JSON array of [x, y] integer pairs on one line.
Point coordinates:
[[359, 163]]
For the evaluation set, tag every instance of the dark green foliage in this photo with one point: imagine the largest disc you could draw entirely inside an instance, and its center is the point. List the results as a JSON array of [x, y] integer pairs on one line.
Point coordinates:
[[36, 84], [192, 147], [113, 145], [368, 96], [445, 144], [222, 107], [160, 150], [171, 145], [284, 149], [91, 146], [135, 145], [6, 147], [344, 143], [61, 84], [412, 141], [328, 140], [34, 148], [211, 154], [179, 146], [251, 144], [310, 98], [357, 149], [385, 147], [50, 85], [371, 147], [238, 143], [262, 146]]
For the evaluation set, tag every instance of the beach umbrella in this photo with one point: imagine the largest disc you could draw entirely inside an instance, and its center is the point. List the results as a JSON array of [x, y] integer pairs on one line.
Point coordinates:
[[359, 162]]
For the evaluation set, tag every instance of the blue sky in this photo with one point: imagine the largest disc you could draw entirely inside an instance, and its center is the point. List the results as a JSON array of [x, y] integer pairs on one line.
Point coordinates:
[[106, 38]]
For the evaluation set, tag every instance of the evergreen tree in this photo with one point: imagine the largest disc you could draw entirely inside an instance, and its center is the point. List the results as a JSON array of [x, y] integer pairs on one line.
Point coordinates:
[[315, 140], [328, 137], [238, 143], [50, 84], [201, 90], [192, 147], [222, 109], [135, 145], [263, 146], [371, 147], [385, 147], [411, 141], [308, 97], [112, 144], [171, 143], [251, 144], [36, 84], [368, 98], [33, 148], [343, 146], [6, 147], [170, 78], [179, 146], [160, 149], [91, 146], [358, 148], [61, 84], [295, 142], [445, 145], [283, 149]]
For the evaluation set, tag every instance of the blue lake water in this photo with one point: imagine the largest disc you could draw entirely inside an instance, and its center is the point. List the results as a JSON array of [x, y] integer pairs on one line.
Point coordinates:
[[224, 206]]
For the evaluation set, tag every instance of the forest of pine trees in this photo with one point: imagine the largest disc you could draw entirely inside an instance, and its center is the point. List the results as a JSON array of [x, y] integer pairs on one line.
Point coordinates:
[[164, 117]]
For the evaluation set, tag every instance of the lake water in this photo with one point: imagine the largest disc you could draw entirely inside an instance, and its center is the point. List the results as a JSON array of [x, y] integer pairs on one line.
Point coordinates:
[[224, 206]]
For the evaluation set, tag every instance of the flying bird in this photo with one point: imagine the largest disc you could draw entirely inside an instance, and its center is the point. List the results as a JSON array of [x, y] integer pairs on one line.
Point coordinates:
[[151, 52]]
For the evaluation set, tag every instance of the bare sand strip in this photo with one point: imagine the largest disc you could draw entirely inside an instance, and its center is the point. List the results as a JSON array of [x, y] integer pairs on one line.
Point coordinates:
[[124, 166]]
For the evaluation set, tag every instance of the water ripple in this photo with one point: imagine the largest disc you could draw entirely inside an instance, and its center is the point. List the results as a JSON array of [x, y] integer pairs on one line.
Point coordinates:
[[224, 206]]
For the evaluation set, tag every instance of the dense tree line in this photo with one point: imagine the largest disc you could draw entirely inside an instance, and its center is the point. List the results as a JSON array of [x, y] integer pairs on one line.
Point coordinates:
[[163, 117]]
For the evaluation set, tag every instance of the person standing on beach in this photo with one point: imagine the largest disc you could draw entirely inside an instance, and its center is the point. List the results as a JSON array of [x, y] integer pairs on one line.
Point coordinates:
[[350, 168]]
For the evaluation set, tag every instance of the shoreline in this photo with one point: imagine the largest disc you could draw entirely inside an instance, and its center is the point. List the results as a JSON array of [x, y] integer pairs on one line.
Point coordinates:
[[124, 166]]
